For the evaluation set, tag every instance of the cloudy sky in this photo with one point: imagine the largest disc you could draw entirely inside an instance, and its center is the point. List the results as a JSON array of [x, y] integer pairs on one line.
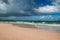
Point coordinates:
[[34, 9]]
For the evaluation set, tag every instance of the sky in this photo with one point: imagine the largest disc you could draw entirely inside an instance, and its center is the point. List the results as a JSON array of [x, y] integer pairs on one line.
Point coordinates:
[[30, 9], [43, 2]]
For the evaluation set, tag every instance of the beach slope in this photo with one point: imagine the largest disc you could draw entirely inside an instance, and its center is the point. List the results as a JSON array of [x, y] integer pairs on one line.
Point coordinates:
[[11, 32]]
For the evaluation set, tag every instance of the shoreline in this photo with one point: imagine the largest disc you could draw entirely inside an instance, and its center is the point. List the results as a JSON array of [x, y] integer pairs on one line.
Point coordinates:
[[14, 32], [51, 27]]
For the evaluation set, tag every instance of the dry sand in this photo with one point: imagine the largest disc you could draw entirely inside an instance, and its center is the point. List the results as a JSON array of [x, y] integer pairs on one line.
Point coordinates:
[[11, 32]]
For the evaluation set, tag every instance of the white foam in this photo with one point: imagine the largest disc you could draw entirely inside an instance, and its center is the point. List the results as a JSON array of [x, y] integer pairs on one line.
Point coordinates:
[[38, 24], [54, 27]]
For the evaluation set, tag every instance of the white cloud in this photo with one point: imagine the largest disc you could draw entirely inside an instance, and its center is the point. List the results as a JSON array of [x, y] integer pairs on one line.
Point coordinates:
[[47, 9], [3, 7], [55, 8]]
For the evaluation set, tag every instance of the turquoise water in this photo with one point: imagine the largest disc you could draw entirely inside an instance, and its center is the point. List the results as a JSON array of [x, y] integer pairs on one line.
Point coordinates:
[[48, 22]]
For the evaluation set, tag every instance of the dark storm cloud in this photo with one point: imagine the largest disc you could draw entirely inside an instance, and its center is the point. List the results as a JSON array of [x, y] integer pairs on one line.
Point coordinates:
[[6, 1], [16, 8], [27, 6]]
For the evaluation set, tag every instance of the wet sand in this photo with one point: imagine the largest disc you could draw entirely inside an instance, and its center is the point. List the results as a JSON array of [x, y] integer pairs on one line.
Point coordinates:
[[13, 32]]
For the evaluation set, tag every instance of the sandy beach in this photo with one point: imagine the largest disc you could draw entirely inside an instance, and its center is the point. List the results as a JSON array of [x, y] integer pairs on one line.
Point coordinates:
[[14, 32]]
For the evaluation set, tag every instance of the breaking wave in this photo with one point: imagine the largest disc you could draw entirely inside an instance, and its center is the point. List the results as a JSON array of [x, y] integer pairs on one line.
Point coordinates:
[[54, 27]]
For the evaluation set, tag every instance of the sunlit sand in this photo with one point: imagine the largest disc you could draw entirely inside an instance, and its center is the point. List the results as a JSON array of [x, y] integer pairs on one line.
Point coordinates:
[[14, 32]]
